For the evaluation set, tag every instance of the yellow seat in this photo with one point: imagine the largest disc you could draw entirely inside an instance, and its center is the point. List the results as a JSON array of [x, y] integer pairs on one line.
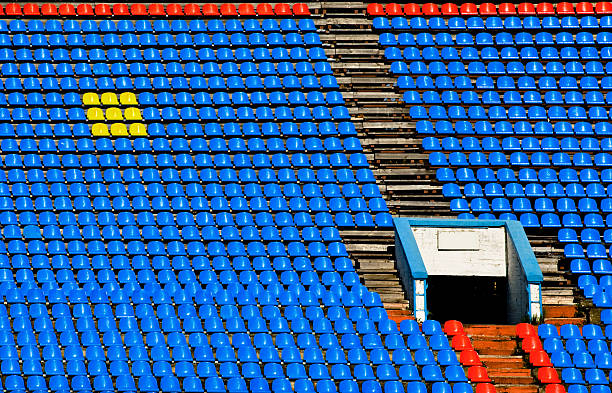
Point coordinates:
[[90, 99], [132, 114], [119, 129], [114, 114], [95, 114], [109, 99], [128, 99], [138, 129], [99, 129]]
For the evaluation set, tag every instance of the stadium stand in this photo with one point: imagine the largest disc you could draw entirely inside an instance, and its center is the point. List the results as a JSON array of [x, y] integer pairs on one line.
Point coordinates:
[[199, 197], [510, 102], [173, 191]]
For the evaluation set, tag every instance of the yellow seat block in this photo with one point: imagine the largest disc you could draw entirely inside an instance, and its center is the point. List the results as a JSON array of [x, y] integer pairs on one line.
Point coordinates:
[[119, 129], [138, 129], [90, 99], [114, 114], [99, 129], [109, 99], [95, 114], [132, 114], [128, 98]]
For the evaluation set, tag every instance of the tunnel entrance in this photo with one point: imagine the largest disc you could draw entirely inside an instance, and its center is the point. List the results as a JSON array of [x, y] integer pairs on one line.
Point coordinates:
[[468, 299]]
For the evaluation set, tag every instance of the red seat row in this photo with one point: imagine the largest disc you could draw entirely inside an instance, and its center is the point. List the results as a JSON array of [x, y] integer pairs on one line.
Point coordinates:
[[487, 9], [538, 358], [155, 9]]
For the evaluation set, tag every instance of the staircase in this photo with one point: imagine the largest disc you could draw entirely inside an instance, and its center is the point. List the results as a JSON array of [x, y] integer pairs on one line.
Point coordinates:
[[497, 347]]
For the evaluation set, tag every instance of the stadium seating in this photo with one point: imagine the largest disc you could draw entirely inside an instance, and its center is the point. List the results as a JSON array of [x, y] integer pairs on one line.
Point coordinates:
[[512, 105], [172, 196]]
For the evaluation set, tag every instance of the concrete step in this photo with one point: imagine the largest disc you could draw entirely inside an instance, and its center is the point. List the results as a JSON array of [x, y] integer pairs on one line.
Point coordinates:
[[506, 363], [510, 388]]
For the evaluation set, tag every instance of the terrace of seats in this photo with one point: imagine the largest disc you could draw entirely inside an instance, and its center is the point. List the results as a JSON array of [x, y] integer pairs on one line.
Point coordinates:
[[173, 196]]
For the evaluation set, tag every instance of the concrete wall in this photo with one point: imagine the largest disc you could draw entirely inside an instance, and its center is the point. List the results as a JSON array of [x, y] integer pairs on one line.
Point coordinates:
[[517, 285], [462, 251]]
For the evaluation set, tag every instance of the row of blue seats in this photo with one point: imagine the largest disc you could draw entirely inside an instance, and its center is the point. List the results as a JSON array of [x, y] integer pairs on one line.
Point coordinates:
[[61, 55], [530, 143], [498, 112], [512, 23], [531, 190], [177, 83], [482, 127], [281, 113], [588, 235], [492, 68], [511, 97], [519, 158], [156, 130], [524, 175], [462, 82], [261, 113], [542, 205], [111, 40], [200, 145], [157, 26], [592, 376], [532, 220], [157, 68], [485, 39], [469, 53]]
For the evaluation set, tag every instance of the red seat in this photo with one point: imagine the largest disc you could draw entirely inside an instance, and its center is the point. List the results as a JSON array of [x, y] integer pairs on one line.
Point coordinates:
[[478, 374], [450, 9], [584, 8], [487, 9], [121, 9], [228, 9], [452, 328], [375, 9], [48, 9], [246, 9], [548, 375], [103, 10], [264, 9], [507, 9], [468, 9], [85, 10], [301, 9], [67, 9], [283, 9], [430, 9], [469, 358], [565, 8], [531, 343], [485, 388], [139, 9], [461, 343], [157, 9], [603, 7], [394, 9], [526, 9], [174, 9], [539, 358], [192, 10], [411, 9], [525, 330], [12, 9], [555, 388], [545, 9], [31, 9], [210, 10]]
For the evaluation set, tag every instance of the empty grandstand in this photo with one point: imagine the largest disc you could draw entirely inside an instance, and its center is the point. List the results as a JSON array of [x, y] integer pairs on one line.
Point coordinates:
[[223, 197]]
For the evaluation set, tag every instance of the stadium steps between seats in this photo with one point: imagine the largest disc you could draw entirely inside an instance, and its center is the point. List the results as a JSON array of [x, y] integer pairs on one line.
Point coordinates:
[[497, 347]]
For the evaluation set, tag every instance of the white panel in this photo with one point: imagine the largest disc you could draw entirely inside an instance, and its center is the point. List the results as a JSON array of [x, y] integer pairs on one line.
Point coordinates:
[[489, 259], [451, 240]]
